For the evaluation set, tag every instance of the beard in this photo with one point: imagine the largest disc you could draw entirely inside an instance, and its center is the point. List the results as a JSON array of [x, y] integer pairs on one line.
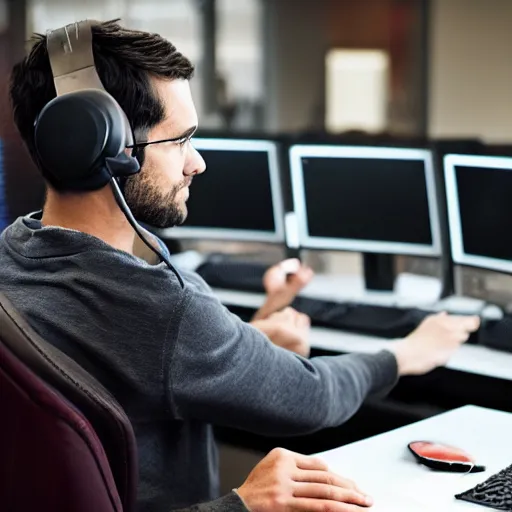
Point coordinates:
[[152, 206]]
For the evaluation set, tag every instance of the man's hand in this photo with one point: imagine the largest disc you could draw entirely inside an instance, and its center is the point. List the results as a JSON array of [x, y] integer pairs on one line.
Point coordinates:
[[282, 283], [288, 482], [289, 275], [288, 329], [433, 342]]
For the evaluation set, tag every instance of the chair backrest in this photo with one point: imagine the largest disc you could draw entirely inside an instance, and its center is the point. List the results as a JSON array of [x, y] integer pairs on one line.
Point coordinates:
[[51, 458], [39, 385]]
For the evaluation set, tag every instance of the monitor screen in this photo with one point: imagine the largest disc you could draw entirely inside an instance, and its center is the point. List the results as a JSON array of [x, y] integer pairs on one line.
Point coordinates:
[[479, 197], [365, 199], [239, 195]]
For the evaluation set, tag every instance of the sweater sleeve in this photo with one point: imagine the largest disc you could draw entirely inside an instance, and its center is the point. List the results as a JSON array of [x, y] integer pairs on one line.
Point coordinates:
[[226, 372], [229, 503]]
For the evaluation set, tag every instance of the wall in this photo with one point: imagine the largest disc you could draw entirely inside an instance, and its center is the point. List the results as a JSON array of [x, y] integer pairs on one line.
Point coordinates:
[[471, 69], [298, 35], [295, 44], [24, 185]]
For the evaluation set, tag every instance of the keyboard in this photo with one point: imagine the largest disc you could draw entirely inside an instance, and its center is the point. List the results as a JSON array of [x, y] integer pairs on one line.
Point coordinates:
[[380, 321], [497, 334], [373, 320], [495, 492], [233, 275]]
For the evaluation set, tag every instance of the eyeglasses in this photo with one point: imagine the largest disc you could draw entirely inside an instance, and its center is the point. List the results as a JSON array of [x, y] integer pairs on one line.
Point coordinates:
[[179, 140]]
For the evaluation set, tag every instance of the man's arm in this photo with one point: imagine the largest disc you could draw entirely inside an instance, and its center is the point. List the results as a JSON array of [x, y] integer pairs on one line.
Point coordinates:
[[229, 503], [225, 371]]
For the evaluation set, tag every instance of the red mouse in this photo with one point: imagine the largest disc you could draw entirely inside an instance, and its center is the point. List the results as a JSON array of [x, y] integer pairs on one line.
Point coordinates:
[[444, 457]]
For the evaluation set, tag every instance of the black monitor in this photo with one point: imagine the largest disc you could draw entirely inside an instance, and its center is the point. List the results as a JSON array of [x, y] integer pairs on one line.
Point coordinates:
[[479, 198], [239, 195], [367, 199]]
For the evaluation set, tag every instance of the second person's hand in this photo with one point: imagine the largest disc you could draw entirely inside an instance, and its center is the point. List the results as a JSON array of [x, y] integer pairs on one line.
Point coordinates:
[[288, 329], [282, 283]]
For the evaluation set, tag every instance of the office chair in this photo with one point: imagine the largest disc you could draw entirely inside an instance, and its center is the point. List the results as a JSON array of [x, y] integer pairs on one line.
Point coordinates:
[[65, 443]]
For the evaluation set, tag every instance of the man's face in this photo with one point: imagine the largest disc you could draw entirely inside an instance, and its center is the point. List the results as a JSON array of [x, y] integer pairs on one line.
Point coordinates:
[[157, 195]]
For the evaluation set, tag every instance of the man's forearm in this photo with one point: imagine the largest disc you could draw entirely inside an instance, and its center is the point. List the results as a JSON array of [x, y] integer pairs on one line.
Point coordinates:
[[229, 503], [264, 312], [273, 303]]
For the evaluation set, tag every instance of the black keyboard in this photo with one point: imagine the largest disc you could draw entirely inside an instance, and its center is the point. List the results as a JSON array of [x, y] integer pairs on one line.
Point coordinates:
[[233, 275], [495, 492], [497, 334], [380, 321]]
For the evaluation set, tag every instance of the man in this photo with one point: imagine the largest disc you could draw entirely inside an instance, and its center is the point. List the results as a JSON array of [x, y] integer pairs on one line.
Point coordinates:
[[174, 357]]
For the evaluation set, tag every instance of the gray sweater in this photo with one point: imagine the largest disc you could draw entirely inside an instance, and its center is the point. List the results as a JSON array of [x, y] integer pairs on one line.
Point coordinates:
[[175, 358]]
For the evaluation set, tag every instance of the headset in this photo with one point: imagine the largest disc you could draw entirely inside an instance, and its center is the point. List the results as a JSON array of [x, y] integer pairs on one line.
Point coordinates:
[[81, 136]]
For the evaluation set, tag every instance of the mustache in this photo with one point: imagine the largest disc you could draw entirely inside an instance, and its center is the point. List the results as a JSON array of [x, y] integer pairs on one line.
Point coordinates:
[[185, 183]]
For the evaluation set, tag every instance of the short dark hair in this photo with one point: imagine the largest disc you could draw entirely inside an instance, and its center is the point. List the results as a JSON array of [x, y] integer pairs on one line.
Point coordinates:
[[125, 60]]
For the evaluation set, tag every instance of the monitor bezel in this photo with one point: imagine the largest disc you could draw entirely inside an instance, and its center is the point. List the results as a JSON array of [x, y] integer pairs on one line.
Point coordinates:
[[240, 235], [459, 255], [307, 241]]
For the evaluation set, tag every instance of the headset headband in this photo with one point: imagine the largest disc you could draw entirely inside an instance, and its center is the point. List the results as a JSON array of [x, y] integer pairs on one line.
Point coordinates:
[[71, 58]]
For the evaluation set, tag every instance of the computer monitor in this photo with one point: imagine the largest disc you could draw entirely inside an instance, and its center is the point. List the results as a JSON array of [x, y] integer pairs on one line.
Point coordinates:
[[365, 199], [479, 200], [239, 195]]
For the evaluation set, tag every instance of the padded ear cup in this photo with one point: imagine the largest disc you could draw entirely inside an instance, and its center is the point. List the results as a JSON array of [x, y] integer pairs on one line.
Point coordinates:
[[76, 133]]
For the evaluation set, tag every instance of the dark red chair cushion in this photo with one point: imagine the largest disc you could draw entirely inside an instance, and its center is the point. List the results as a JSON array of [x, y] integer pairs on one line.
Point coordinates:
[[51, 458]]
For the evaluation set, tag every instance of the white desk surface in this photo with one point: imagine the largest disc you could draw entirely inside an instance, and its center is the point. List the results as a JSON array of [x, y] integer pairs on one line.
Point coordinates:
[[383, 467], [469, 358], [409, 290]]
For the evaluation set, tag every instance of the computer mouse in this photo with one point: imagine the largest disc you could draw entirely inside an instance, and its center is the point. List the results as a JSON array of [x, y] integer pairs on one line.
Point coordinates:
[[443, 457]]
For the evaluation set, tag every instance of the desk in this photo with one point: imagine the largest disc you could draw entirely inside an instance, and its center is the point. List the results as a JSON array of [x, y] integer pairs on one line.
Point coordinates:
[[469, 358], [410, 291], [383, 467]]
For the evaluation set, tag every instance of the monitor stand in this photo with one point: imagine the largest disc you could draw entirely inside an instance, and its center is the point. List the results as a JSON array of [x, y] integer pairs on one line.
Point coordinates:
[[379, 272]]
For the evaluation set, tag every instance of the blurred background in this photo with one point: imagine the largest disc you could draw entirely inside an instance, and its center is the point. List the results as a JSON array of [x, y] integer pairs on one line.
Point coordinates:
[[410, 68]]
